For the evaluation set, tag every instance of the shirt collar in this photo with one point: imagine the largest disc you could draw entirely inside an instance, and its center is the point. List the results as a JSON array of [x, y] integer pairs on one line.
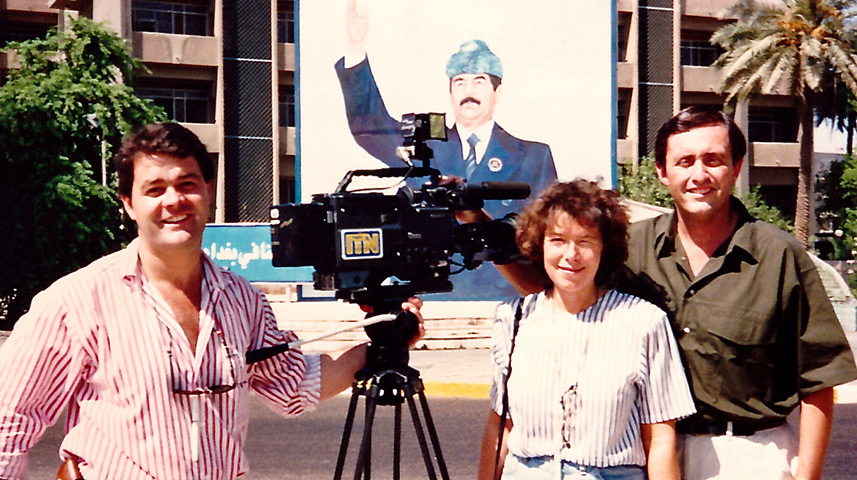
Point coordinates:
[[129, 268], [742, 238], [129, 265], [483, 132], [665, 233]]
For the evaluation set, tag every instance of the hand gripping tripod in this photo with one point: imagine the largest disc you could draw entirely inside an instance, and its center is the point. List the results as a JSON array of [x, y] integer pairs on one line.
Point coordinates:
[[388, 380]]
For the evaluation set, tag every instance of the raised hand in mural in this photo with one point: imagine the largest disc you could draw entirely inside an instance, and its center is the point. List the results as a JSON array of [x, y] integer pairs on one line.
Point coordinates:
[[356, 27]]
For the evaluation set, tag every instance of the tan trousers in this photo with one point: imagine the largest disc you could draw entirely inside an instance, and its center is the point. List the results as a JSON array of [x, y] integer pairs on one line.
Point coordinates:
[[767, 455]]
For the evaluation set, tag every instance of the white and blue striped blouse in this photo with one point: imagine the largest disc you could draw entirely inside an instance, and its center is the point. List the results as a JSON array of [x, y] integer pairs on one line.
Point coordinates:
[[620, 355]]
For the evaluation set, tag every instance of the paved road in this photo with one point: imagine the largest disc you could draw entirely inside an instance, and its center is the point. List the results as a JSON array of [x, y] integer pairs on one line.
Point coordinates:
[[306, 447], [459, 424]]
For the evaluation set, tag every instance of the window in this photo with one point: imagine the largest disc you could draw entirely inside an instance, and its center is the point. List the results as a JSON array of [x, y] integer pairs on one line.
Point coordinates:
[[780, 196], [189, 105], [286, 22], [622, 35], [623, 111], [287, 105], [287, 189], [165, 17], [772, 125], [699, 53], [20, 33]]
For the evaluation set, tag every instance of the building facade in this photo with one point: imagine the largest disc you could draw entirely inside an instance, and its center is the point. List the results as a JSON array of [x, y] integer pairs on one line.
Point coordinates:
[[664, 64], [228, 73]]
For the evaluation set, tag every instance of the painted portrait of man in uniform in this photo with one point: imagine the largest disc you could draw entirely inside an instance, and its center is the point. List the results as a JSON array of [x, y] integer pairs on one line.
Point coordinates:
[[510, 105]]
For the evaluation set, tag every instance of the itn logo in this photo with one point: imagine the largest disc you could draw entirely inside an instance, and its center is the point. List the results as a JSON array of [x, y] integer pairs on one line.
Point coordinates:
[[361, 244]]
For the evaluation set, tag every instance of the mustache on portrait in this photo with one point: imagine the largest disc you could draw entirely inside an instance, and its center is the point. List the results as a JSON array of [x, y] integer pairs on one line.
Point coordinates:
[[469, 100]]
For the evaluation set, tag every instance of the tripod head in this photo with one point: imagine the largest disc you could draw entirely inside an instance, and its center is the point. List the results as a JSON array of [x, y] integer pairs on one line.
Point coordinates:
[[389, 347], [388, 380]]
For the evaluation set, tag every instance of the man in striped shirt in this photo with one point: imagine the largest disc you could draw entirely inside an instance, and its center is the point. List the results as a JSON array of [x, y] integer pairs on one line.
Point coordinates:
[[146, 347]]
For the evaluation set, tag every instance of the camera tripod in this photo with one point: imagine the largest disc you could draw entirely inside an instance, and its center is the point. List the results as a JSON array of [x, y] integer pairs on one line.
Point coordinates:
[[385, 384]]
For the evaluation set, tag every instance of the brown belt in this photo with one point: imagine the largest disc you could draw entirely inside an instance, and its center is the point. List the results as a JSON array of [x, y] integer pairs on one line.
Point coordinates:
[[69, 471]]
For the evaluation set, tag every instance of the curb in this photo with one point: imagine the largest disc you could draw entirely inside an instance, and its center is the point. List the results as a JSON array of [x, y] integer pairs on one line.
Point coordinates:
[[842, 394], [458, 390]]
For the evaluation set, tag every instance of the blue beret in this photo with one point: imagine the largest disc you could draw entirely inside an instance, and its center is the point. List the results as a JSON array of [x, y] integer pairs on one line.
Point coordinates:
[[475, 57]]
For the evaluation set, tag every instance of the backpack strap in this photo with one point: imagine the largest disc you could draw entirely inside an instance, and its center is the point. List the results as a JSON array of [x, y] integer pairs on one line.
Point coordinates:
[[518, 314]]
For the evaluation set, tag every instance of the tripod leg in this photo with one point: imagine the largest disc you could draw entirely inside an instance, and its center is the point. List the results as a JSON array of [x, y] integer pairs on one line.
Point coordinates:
[[366, 443], [367, 454], [346, 432], [441, 464], [418, 428], [397, 442]]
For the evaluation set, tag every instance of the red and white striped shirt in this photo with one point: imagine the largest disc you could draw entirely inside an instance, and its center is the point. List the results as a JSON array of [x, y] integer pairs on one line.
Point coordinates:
[[102, 342]]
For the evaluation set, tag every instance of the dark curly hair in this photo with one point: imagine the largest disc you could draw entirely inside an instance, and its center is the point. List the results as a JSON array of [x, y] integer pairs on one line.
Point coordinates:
[[589, 205], [164, 138]]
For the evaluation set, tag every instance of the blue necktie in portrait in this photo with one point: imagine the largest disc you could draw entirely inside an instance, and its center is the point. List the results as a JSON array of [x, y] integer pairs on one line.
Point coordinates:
[[470, 161]]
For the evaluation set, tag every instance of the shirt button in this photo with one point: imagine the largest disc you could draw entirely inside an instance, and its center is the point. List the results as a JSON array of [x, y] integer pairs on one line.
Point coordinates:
[[686, 329]]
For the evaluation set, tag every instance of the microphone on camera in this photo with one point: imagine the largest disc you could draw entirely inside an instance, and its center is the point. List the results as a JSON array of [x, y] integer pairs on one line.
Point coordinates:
[[497, 190]]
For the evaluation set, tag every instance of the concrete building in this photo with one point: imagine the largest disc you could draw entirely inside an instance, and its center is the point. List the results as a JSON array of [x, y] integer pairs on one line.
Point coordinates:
[[213, 68], [226, 72], [664, 64]]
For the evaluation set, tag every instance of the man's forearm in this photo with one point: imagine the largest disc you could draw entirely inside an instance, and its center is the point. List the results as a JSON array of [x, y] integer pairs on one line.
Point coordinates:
[[337, 372], [525, 277], [816, 419]]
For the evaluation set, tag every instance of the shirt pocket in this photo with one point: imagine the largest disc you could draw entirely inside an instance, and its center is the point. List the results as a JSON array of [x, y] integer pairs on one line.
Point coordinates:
[[742, 345]]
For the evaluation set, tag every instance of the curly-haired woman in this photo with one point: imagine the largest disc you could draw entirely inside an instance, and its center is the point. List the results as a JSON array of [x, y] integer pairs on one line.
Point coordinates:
[[590, 379]]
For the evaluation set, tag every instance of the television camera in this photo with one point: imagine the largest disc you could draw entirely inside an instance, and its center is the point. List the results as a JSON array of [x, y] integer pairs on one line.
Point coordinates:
[[379, 249], [372, 247]]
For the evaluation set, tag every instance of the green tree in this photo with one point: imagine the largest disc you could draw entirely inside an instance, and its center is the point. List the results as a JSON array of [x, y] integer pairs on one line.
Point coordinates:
[[641, 183], [837, 195], [757, 207], [72, 91], [800, 42]]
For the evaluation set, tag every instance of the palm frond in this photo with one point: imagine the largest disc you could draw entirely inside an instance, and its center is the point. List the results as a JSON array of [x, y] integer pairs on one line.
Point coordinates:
[[751, 11], [749, 63], [782, 72], [812, 63], [844, 62], [734, 34]]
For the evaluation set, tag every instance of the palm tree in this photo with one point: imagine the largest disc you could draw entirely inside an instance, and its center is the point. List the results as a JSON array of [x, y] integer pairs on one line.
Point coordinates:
[[798, 43], [839, 107]]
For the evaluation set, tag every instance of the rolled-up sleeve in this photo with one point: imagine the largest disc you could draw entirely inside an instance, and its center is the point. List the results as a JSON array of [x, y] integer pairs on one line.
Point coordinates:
[[290, 382], [41, 365]]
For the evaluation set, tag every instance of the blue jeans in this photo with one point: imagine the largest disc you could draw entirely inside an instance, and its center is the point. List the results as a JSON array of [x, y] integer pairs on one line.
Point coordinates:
[[544, 468]]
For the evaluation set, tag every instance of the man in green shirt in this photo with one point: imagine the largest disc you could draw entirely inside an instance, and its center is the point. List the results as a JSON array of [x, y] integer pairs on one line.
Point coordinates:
[[758, 334]]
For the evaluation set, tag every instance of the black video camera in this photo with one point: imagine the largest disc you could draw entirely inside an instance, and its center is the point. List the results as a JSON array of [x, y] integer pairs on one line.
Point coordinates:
[[373, 247]]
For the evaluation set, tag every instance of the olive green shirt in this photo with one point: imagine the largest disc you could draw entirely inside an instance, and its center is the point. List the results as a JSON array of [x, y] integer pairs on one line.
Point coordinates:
[[756, 328]]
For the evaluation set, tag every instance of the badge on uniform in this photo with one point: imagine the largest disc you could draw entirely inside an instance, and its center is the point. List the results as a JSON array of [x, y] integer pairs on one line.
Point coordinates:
[[495, 164]]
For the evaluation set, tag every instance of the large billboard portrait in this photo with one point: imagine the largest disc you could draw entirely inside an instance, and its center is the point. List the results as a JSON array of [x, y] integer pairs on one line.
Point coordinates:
[[527, 88]]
